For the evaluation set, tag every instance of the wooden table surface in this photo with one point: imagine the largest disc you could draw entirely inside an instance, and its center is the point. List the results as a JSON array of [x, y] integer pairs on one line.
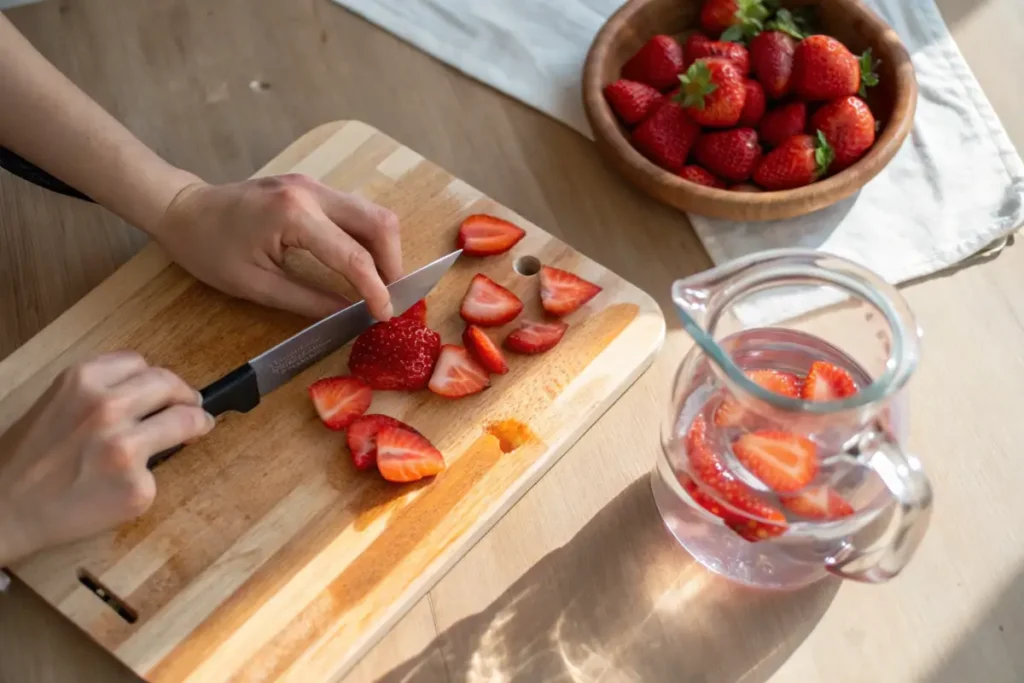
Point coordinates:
[[579, 581]]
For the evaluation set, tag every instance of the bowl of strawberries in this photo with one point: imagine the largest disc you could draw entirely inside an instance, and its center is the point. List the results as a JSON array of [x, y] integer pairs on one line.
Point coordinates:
[[748, 109]]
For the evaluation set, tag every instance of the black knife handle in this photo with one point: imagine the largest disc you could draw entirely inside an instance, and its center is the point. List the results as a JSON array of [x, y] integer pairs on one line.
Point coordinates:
[[35, 175], [237, 391]]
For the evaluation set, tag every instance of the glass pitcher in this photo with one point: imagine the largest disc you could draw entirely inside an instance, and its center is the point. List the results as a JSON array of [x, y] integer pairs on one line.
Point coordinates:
[[783, 455]]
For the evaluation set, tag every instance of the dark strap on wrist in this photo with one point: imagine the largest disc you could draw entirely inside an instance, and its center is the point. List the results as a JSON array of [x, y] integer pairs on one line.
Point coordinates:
[[35, 175]]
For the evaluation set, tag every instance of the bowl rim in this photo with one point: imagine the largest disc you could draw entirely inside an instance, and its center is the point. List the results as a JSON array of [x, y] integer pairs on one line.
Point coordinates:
[[605, 126]]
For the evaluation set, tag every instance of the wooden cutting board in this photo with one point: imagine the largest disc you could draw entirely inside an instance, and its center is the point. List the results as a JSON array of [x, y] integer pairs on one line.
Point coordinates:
[[266, 555]]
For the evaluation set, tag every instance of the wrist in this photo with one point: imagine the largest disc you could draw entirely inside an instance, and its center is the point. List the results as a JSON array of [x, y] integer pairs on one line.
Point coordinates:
[[168, 189], [12, 546]]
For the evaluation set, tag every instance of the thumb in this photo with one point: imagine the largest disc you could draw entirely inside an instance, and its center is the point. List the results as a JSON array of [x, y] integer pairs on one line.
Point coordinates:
[[279, 291]]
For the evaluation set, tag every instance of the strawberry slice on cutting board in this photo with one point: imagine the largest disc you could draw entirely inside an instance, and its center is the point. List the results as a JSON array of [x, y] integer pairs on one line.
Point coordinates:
[[340, 400], [417, 312], [785, 462], [827, 382], [561, 292], [484, 235], [535, 337], [458, 374], [484, 350], [488, 304], [362, 438], [404, 455]]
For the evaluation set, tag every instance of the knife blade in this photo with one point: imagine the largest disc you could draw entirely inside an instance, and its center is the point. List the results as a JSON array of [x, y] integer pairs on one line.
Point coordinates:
[[240, 390]]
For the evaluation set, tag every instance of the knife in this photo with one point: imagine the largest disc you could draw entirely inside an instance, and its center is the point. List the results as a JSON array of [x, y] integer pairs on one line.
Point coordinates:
[[240, 390]]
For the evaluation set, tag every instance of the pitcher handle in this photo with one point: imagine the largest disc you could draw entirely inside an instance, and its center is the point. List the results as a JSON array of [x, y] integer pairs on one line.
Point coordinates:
[[903, 476]]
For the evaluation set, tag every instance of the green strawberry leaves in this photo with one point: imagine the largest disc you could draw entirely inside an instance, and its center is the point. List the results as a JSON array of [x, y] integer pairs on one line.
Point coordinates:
[[824, 155], [696, 85], [868, 77], [750, 18], [785, 23]]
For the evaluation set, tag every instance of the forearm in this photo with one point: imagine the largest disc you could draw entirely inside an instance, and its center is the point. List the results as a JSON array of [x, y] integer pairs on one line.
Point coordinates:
[[46, 119]]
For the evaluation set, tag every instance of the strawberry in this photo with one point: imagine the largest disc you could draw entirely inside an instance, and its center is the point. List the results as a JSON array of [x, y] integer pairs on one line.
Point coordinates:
[[362, 438], [695, 49], [340, 400], [666, 136], [705, 464], [417, 312], [771, 59], [398, 354], [827, 382], [730, 154], [484, 350], [561, 292], [783, 461], [817, 502], [489, 304], [483, 235], [701, 176], [457, 373], [754, 105], [632, 101], [730, 413], [848, 126], [535, 337], [798, 161], [404, 455], [782, 123], [656, 64], [713, 93], [824, 69], [732, 19]]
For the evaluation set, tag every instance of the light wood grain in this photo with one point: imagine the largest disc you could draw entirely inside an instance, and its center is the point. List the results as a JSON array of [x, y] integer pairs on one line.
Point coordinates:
[[530, 594]]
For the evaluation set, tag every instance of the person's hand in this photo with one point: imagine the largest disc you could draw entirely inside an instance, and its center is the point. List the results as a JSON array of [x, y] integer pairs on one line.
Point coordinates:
[[75, 464], [233, 237]]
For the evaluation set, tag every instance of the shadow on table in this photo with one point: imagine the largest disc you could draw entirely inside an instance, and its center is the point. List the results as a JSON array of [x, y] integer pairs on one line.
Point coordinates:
[[622, 599], [993, 646]]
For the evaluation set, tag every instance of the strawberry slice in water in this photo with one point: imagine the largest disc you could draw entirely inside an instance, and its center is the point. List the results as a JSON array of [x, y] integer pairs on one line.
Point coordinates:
[[818, 502], [404, 455], [783, 461], [730, 413], [827, 382]]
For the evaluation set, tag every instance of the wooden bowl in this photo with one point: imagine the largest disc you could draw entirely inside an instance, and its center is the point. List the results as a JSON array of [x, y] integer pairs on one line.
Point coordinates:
[[892, 101]]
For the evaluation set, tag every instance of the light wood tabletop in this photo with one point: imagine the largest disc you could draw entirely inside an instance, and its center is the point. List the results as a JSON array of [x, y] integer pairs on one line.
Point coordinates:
[[579, 581]]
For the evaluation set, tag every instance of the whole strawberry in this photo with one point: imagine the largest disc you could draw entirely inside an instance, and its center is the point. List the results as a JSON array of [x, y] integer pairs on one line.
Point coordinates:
[[782, 123], [849, 127], [771, 58], [666, 136], [823, 69], [713, 92], [632, 101], [658, 63], [397, 354], [754, 106], [732, 19], [699, 47], [798, 161], [701, 176], [730, 154]]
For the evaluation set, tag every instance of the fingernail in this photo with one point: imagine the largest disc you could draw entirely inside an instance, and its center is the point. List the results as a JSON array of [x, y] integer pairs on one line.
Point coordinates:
[[199, 398], [211, 421], [388, 311]]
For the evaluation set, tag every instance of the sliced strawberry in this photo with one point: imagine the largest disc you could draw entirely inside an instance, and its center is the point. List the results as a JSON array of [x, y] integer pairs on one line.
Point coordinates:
[[783, 461], [484, 350], [769, 523], [340, 400], [535, 337], [827, 382], [819, 502], [417, 312], [484, 235], [404, 456], [362, 438], [396, 355], [488, 304], [730, 413], [561, 292], [457, 373]]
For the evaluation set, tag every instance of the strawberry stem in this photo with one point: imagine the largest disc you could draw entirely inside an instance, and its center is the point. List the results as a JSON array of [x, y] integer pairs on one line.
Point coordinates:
[[696, 85], [824, 155], [750, 17], [784, 23], [868, 77]]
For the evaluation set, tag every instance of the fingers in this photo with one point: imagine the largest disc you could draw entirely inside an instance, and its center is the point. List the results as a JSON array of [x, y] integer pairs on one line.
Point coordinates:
[[105, 371], [277, 291], [151, 390], [343, 254], [169, 428], [370, 224]]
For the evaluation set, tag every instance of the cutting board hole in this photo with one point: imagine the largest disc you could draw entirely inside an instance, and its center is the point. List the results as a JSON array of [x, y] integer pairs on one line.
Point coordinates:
[[527, 265], [103, 593]]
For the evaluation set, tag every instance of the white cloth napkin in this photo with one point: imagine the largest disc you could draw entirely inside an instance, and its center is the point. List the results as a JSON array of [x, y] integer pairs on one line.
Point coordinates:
[[956, 185]]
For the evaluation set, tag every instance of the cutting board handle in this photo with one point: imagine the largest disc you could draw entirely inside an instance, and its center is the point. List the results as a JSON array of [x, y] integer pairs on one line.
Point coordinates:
[[237, 391]]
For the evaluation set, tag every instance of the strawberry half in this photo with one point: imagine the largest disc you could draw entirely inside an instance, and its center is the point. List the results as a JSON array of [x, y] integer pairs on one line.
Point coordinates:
[[561, 292], [395, 355], [819, 502], [417, 312], [340, 400], [404, 455], [362, 438], [535, 337], [827, 382], [483, 235], [489, 304], [484, 350], [783, 461], [730, 413], [457, 374]]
